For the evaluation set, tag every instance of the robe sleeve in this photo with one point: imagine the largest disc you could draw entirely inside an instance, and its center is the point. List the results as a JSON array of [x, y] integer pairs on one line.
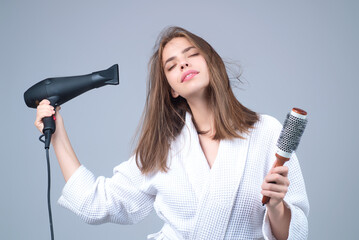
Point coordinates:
[[123, 198], [296, 200]]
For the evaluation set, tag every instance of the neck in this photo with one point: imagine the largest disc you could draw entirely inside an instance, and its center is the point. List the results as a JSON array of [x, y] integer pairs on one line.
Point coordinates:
[[203, 116]]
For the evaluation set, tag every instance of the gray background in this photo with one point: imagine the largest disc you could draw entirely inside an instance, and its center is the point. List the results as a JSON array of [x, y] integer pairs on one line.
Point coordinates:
[[292, 53]]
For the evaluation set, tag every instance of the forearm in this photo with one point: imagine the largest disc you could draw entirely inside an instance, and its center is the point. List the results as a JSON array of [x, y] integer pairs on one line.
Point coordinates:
[[279, 218], [64, 152]]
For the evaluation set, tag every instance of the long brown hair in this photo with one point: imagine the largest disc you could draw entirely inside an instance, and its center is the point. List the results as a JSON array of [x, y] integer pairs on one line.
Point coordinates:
[[163, 117]]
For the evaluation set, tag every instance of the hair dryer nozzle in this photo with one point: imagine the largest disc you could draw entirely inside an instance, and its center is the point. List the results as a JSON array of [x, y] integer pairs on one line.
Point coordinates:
[[107, 77]]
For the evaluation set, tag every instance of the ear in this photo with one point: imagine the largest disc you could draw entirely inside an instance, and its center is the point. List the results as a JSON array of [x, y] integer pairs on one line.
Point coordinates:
[[174, 93]]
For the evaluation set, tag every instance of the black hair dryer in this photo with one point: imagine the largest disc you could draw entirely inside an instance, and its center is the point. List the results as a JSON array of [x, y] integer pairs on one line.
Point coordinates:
[[59, 90]]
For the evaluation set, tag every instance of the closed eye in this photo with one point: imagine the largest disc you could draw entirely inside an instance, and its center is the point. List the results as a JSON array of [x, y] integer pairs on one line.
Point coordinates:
[[171, 67], [195, 54]]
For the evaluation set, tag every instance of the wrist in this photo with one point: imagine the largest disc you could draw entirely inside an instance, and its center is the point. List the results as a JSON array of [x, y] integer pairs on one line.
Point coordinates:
[[60, 139], [276, 210], [279, 218]]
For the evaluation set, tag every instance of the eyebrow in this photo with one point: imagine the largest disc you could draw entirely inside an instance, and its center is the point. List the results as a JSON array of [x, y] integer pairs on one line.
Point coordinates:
[[184, 51]]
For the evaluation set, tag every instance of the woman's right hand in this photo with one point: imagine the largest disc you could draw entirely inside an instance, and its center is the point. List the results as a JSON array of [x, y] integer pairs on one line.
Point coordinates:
[[44, 109], [60, 141]]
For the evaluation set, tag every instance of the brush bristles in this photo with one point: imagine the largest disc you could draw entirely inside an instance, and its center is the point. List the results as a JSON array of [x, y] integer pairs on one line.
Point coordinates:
[[292, 131]]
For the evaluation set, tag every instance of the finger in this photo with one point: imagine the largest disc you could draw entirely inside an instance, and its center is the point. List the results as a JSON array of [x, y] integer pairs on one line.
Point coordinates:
[[45, 112], [276, 179], [40, 116], [46, 109], [275, 195], [44, 106], [274, 187], [282, 170], [44, 101]]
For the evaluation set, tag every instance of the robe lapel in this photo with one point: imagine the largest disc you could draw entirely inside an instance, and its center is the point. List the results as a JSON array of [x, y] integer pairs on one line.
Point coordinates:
[[220, 190], [195, 163]]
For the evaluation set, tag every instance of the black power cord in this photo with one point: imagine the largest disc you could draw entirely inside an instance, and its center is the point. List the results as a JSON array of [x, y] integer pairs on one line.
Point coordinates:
[[48, 187]]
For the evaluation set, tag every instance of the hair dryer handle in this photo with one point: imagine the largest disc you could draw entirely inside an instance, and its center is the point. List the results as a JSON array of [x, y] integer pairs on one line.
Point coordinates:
[[49, 124]]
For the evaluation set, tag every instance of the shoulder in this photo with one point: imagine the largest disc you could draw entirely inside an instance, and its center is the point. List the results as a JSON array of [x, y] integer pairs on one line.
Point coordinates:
[[263, 141], [267, 127], [267, 121]]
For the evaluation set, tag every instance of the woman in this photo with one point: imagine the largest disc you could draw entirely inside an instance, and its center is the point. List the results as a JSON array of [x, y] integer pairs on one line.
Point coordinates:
[[202, 161]]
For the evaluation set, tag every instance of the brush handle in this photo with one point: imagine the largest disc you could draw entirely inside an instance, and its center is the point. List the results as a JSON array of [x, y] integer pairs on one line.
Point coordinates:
[[279, 162]]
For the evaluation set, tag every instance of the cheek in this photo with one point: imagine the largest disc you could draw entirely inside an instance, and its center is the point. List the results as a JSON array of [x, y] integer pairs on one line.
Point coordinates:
[[204, 67], [171, 78], [205, 70]]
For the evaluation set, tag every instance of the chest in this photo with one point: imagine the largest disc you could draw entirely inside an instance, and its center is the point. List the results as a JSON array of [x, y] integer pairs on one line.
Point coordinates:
[[184, 192], [209, 148]]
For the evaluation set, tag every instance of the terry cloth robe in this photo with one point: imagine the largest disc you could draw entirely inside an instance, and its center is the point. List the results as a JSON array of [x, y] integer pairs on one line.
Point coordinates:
[[195, 201]]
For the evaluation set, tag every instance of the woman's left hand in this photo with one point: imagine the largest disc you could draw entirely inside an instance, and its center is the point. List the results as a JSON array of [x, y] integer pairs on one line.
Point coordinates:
[[275, 185]]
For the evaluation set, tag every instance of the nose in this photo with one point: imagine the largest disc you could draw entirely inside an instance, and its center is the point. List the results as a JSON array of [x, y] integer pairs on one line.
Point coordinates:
[[184, 65]]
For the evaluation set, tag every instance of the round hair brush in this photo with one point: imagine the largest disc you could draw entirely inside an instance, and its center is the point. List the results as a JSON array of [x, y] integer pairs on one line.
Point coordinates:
[[289, 138]]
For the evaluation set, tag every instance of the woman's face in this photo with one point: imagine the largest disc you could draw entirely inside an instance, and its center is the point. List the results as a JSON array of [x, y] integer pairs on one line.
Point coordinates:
[[185, 69]]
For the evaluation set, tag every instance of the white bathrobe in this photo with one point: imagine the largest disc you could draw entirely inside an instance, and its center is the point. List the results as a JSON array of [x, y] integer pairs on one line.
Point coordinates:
[[193, 200]]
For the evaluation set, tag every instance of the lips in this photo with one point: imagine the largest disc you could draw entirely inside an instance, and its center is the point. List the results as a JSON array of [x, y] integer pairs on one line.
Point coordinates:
[[188, 75]]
